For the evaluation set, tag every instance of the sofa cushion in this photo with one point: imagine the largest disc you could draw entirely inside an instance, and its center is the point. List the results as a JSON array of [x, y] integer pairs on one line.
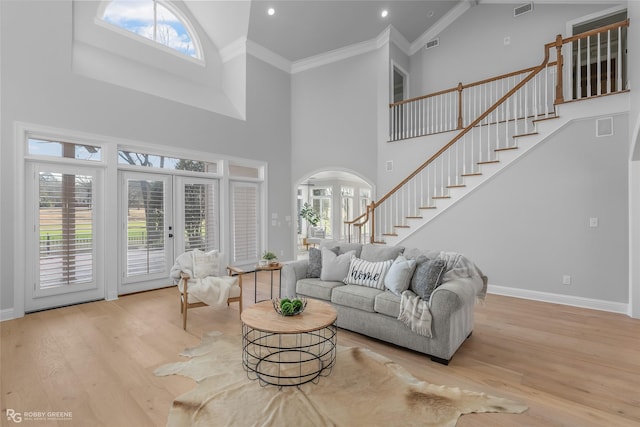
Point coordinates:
[[335, 267], [367, 273], [373, 252], [315, 261], [343, 247], [427, 276], [355, 296], [316, 288], [387, 303], [398, 277]]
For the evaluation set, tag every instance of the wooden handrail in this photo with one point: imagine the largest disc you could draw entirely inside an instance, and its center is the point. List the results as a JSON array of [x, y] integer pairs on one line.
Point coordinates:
[[593, 32], [462, 86]]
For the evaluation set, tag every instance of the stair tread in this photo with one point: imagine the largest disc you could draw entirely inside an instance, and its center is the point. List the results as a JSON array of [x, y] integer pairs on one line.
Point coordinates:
[[486, 162], [524, 134], [546, 118], [390, 234], [402, 226], [506, 149], [428, 207], [441, 197], [456, 186], [413, 217]]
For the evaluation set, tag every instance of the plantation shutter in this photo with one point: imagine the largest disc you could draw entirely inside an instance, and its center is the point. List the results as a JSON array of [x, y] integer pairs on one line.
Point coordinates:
[[65, 224], [244, 217], [201, 222], [145, 226]]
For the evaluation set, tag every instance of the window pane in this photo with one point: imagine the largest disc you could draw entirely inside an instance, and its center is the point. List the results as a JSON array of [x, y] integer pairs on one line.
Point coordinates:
[[65, 221], [244, 171], [40, 147], [153, 21], [200, 217], [145, 227], [164, 162], [171, 32], [244, 216]]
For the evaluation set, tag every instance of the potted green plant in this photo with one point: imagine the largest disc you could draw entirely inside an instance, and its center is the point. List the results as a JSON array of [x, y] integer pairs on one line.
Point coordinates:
[[269, 257], [309, 214]]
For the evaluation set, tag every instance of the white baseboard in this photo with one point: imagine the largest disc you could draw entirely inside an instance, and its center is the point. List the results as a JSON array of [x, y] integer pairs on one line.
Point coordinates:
[[6, 314], [594, 304]]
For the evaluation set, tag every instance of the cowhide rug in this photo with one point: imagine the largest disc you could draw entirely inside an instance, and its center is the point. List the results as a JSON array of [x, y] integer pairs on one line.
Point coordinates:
[[364, 389]]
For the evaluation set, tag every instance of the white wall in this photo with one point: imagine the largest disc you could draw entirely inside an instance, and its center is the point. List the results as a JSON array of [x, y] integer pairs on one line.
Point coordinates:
[[529, 226], [334, 117], [38, 87], [472, 48]]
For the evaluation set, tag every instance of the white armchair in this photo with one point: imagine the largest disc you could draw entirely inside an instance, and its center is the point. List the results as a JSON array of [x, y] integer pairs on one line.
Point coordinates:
[[200, 282]]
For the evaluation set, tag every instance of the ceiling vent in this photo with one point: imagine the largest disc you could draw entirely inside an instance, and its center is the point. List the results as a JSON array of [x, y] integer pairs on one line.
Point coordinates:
[[521, 10], [432, 43]]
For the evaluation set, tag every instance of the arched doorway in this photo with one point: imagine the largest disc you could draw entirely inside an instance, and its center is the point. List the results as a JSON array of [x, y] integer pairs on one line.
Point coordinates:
[[330, 197]]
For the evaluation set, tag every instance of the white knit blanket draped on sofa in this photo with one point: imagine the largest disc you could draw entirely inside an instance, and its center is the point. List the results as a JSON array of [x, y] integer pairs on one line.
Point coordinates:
[[414, 311]]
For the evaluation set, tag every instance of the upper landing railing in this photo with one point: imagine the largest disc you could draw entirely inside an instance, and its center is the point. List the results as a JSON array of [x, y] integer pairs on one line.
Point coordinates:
[[453, 109], [486, 116]]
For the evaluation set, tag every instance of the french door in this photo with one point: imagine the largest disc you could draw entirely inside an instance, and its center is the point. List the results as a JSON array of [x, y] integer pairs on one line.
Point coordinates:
[[146, 231], [162, 216], [66, 244]]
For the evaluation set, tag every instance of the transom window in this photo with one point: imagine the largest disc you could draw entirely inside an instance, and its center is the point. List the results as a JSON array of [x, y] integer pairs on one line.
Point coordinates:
[[154, 20]]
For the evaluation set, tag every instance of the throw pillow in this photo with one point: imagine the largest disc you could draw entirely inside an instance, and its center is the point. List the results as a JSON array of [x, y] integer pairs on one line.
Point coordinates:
[[373, 252], [342, 246], [398, 277], [205, 264], [335, 267], [367, 273], [315, 262], [427, 276]]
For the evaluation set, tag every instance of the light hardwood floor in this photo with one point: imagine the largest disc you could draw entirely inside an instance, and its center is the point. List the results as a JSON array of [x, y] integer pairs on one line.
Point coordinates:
[[573, 367]]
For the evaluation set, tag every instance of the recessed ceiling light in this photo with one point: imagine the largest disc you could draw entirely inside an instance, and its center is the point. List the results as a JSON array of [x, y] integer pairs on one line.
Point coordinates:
[[271, 11], [384, 13]]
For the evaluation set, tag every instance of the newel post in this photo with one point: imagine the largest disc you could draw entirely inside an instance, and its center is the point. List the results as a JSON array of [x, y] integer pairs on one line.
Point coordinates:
[[560, 60], [372, 206], [460, 105]]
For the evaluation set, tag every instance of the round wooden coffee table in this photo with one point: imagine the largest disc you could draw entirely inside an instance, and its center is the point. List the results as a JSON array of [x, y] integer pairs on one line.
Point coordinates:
[[288, 350]]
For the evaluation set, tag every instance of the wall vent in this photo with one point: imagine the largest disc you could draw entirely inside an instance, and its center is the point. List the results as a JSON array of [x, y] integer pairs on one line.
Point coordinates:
[[432, 43], [604, 127], [521, 10], [389, 165]]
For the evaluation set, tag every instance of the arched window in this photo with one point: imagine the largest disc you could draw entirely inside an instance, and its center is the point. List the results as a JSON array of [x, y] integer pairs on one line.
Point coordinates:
[[154, 20]]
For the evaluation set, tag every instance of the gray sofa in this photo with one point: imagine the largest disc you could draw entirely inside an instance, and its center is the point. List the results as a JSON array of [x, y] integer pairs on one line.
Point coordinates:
[[374, 312]]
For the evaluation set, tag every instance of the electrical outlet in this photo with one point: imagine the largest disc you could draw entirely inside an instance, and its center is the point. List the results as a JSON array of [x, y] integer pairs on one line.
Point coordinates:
[[566, 279], [593, 222], [507, 41]]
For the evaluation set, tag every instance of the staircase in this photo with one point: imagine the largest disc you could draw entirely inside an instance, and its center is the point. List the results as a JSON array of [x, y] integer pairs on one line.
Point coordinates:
[[466, 184], [513, 114]]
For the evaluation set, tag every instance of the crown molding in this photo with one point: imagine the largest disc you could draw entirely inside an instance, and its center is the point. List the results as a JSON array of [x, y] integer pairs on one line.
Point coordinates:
[[268, 56], [455, 12], [334, 56], [235, 48]]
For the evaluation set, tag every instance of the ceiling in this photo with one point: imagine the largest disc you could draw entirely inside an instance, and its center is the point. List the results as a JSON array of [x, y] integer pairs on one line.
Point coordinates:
[[301, 29]]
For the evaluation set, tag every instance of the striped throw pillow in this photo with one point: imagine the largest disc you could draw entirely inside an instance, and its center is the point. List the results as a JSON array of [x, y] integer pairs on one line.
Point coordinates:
[[367, 273]]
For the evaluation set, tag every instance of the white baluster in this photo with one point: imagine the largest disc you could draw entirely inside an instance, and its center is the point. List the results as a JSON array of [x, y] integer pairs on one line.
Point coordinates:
[[588, 41], [599, 70], [619, 61]]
